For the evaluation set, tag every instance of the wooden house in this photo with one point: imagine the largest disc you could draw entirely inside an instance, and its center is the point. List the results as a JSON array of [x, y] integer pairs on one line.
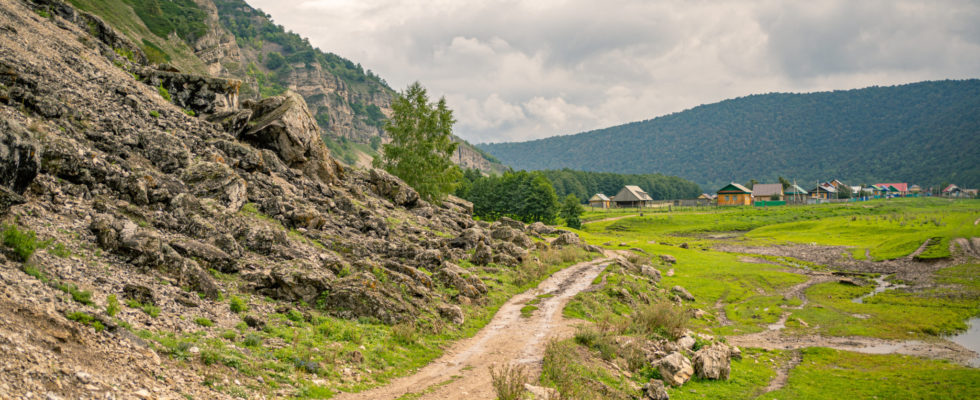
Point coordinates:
[[952, 191], [706, 196], [795, 193], [599, 200], [767, 191], [631, 196], [734, 194], [901, 189], [823, 191]]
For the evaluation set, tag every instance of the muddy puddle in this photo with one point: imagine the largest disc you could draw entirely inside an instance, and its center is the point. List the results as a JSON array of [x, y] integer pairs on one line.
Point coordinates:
[[971, 340], [882, 285]]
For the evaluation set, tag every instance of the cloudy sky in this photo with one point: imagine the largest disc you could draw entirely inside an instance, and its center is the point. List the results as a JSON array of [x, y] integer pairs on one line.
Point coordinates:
[[520, 70]]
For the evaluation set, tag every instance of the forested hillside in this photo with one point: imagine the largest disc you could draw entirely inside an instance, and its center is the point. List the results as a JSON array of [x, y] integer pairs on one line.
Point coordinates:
[[925, 133], [584, 184]]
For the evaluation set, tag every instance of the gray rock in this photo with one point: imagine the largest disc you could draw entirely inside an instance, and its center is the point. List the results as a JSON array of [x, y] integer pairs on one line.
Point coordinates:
[[511, 223], [566, 239], [19, 161], [675, 369], [483, 255], [712, 363], [650, 272], [667, 258], [682, 293], [393, 189], [655, 390], [140, 293], [453, 276], [540, 228], [452, 313], [284, 125]]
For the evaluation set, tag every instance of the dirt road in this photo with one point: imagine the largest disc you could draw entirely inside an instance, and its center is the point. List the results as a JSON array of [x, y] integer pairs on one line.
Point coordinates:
[[463, 371]]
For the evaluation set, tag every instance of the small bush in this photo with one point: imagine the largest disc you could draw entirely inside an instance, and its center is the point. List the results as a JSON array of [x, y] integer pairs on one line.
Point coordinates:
[[189, 112], [661, 319], [252, 340], [229, 335], [81, 296], [528, 310], [403, 333], [149, 309], [23, 243], [86, 319], [210, 357], [163, 92], [205, 322], [238, 305], [509, 381], [59, 250], [112, 305], [155, 114]]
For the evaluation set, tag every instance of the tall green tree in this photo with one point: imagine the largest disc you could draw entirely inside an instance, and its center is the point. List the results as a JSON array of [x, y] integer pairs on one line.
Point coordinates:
[[571, 208], [421, 144]]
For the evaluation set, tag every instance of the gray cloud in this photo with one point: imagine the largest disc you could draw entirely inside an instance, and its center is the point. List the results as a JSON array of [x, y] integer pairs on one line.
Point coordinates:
[[517, 70]]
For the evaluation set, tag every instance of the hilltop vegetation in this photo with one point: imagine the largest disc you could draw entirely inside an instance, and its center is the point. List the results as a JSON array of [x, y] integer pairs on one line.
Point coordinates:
[[896, 133]]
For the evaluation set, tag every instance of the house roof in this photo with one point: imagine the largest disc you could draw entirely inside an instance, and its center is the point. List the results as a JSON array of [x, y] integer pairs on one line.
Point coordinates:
[[734, 188], [599, 197], [855, 189], [707, 196], [825, 187], [794, 189], [631, 193], [902, 187], [950, 188], [767, 189]]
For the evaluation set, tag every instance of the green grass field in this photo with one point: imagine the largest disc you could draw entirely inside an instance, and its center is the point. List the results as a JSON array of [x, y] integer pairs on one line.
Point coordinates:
[[751, 293]]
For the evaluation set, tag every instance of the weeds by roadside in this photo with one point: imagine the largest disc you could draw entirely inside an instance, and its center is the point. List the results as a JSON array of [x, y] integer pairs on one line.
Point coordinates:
[[508, 381]]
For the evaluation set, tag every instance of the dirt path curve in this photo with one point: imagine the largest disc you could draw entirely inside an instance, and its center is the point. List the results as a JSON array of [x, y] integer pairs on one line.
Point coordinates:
[[463, 371], [609, 219]]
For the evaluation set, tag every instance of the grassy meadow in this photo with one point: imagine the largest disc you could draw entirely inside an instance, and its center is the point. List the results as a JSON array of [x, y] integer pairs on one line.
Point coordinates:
[[750, 290]]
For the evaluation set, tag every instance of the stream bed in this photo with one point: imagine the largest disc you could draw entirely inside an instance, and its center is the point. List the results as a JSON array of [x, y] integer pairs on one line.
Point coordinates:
[[883, 285], [970, 339]]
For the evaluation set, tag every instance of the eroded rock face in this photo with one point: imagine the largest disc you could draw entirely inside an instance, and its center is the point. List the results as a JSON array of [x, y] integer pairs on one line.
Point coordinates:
[[675, 369], [19, 163], [455, 277], [284, 125], [201, 94]]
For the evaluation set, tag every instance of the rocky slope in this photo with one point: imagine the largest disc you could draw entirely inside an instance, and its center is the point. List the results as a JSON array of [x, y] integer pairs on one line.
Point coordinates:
[[113, 193]]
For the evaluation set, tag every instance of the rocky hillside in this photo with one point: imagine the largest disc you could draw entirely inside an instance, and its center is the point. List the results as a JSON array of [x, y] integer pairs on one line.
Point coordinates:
[[230, 39], [164, 239]]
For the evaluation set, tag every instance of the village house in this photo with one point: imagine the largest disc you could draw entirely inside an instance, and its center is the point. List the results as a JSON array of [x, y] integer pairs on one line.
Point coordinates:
[[794, 193], [734, 194], [767, 191], [952, 191], [631, 196], [915, 189], [706, 196], [823, 191], [599, 200], [901, 189]]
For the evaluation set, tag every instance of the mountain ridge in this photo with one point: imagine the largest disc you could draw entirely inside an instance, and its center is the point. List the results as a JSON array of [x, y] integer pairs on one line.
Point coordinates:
[[859, 135]]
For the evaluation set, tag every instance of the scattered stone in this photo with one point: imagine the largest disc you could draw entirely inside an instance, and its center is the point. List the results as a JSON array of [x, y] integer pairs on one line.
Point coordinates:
[[670, 272], [850, 281], [686, 342], [482, 256], [453, 313], [140, 293], [650, 272], [667, 258], [655, 390], [682, 293], [683, 245], [540, 228], [254, 322]]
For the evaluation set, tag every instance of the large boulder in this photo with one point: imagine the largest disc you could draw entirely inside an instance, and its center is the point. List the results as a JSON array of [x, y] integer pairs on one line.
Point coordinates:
[[299, 282], [361, 295], [483, 255], [566, 239], [712, 363], [675, 368], [650, 272], [390, 187], [511, 223], [284, 125], [540, 228]]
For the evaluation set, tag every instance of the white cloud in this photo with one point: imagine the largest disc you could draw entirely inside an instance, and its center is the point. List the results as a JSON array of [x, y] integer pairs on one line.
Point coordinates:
[[517, 70]]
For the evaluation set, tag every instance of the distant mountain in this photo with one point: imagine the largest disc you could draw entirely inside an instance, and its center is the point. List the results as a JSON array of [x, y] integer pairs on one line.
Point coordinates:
[[926, 133]]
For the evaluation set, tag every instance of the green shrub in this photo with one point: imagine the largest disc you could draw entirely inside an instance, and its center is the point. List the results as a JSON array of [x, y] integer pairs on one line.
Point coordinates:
[[404, 333], [149, 309], [660, 319], [238, 305], [86, 319], [112, 305], [205, 322], [81, 296], [252, 340], [509, 381], [229, 335], [23, 243], [59, 250], [155, 114], [164, 92]]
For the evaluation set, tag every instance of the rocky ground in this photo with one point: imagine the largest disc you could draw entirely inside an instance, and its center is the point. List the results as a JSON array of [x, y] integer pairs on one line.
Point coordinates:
[[122, 194]]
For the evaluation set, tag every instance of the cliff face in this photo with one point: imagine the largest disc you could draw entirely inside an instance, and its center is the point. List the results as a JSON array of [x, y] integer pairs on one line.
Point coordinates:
[[129, 225]]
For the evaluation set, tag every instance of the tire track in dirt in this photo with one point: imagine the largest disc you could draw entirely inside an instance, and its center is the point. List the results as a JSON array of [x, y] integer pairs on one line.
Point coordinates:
[[463, 371], [782, 373]]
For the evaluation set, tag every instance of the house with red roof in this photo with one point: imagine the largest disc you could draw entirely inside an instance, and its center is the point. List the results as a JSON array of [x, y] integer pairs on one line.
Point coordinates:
[[903, 188]]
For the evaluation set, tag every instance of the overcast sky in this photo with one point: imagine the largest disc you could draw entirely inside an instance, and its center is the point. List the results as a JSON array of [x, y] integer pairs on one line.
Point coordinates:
[[520, 70]]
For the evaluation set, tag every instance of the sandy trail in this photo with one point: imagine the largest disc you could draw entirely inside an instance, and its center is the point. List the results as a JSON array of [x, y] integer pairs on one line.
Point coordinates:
[[463, 371], [609, 219]]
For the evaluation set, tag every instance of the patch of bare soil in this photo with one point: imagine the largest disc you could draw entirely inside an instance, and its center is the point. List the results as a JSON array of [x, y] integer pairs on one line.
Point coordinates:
[[935, 349], [839, 258], [463, 371], [609, 219], [782, 373]]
